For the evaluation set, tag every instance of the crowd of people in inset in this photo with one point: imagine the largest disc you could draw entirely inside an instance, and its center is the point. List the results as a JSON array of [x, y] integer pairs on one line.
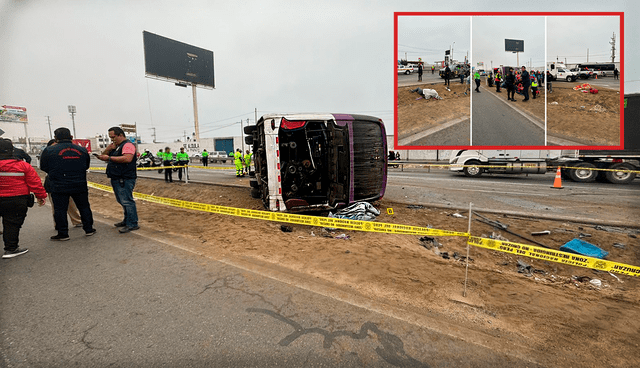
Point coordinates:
[[518, 81]]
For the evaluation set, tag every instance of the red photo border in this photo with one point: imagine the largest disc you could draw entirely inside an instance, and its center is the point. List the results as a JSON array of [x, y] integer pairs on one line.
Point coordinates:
[[470, 14]]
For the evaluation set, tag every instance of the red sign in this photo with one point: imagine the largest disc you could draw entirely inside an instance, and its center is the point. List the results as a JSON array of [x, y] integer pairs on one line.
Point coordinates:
[[83, 143]]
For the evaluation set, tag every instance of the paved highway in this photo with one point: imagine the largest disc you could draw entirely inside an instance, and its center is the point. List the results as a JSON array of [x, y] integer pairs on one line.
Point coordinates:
[[498, 122]]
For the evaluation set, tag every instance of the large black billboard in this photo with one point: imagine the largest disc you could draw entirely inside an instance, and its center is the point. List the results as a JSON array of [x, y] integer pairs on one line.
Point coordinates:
[[177, 61], [513, 45]]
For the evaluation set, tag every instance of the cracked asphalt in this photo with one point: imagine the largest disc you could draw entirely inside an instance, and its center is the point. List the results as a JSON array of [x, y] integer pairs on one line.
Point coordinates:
[[139, 299]]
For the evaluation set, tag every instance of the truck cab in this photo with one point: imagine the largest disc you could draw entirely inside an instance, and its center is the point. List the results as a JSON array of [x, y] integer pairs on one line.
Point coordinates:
[[558, 71]]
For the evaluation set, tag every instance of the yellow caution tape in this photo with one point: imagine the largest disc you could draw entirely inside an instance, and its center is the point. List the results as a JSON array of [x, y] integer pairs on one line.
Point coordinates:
[[213, 167], [554, 256], [143, 168], [292, 218], [357, 225]]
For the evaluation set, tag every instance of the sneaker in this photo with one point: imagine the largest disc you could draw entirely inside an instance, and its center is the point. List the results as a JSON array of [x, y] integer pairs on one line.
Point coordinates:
[[14, 253], [60, 237], [120, 224], [90, 232], [126, 229]]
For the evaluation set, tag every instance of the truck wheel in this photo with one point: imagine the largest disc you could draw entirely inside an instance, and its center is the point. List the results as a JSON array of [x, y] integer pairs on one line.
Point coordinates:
[[255, 193], [584, 173], [407, 72], [472, 172], [621, 177], [249, 129], [568, 79], [254, 183]]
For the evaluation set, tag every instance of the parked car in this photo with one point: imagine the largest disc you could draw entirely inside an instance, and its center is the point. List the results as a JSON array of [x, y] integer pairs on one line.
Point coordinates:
[[405, 69], [317, 161], [214, 156]]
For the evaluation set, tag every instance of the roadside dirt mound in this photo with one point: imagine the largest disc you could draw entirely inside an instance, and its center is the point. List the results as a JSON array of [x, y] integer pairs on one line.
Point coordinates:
[[554, 315], [593, 119], [415, 114]]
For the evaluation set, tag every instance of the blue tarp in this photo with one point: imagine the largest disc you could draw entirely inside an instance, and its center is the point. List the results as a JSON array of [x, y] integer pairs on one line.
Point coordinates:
[[581, 247]]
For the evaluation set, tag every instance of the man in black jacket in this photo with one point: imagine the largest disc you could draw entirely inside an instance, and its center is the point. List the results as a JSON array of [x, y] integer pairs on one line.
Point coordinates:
[[67, 164], [526, 82]]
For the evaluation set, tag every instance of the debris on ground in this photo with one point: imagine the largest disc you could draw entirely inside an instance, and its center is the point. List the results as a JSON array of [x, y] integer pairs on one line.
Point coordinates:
[[537, 233], [286, 228], [578, 246], [363, 211], [415, 207], [615, 277], [618, 245], [584, 235], [554, 103], [596, 283], [428, 242], [457, 215], [598, 108], [525, 268], [342, 236], [428, 93]]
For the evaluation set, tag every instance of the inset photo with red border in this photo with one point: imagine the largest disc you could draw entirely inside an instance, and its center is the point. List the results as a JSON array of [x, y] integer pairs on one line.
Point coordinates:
[[509, 80]]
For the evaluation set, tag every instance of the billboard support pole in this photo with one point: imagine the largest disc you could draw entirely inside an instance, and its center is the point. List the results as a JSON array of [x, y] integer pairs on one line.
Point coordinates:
[[195, 112], [26, 137]]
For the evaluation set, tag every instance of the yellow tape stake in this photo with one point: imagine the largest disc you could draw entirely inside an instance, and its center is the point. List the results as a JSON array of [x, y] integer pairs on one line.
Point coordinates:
[[390, 211], [555, 256], [357, 225]]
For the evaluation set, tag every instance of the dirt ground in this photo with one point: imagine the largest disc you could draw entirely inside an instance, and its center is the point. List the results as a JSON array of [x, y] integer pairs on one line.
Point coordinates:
[[554, 316], [415, 114], [593, 119]]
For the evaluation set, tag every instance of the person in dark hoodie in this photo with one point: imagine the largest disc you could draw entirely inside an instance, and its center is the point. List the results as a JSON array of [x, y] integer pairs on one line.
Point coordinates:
[[67, 164]]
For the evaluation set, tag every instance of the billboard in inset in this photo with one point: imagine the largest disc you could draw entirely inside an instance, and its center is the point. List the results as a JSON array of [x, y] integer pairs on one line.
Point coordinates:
[[513, 45], [13, 114], [169, 59]]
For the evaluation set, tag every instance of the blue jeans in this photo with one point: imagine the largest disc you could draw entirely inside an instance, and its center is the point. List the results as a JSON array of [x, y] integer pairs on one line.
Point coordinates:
[[123, 189]]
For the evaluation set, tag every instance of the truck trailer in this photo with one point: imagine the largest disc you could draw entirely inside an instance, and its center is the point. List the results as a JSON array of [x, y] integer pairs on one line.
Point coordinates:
[[577, 165]]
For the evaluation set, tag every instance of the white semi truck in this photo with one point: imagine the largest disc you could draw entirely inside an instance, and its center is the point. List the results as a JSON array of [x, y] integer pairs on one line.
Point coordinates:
[[578, 165]]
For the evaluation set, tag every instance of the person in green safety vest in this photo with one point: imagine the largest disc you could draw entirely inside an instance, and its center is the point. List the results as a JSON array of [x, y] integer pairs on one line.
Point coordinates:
[[183, 160], [205, 158], [534, 87], [167, 157], [237, 160], [247, 161], [476, 78]]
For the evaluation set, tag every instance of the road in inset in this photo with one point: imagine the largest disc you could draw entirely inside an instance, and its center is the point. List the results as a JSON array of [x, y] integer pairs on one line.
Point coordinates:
[[495, 123]]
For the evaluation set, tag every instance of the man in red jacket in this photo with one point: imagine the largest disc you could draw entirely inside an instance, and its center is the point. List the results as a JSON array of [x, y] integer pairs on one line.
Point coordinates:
[[17, 180]]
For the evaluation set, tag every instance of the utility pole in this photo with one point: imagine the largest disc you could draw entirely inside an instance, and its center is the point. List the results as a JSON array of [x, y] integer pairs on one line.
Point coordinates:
[[184, 135], [256, 115], [72, 111], [613, 47], [154, 134], [242, 136], [49, 122], [587, 54]]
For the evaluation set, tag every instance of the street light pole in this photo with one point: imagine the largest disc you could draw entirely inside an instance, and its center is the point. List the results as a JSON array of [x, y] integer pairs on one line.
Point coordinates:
[[72, 111]]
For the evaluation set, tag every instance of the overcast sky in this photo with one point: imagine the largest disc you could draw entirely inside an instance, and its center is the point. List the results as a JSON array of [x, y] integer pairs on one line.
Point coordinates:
[[570, 37], [428, 37], [489, 34], [276, 56]]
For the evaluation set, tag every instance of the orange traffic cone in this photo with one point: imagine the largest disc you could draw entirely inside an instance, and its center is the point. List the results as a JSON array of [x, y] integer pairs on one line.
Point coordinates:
[[557, 183]]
